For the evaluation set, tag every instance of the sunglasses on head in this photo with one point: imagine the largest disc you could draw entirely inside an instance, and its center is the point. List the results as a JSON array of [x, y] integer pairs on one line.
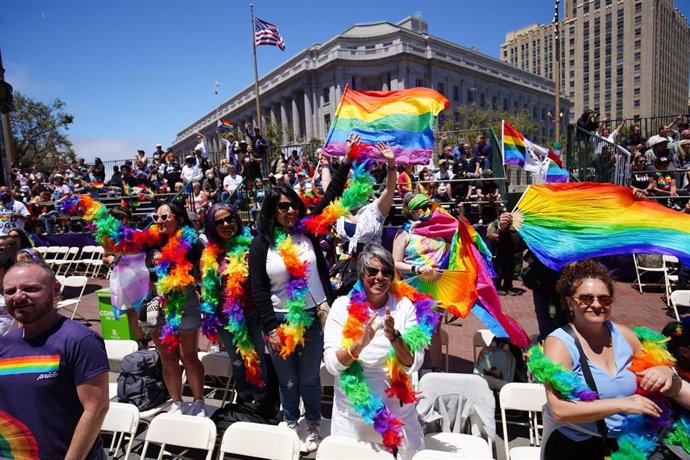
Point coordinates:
[[225, 220], [373, 272], [161, 217], [588, 299], [285, 206]]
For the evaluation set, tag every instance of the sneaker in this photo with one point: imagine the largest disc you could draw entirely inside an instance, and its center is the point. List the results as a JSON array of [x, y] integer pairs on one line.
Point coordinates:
[[291, 425], [176, 408], [313, 438], [198, 408]]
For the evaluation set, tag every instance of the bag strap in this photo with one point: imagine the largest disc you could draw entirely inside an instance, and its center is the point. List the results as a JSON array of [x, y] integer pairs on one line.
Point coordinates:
[[589, 379]]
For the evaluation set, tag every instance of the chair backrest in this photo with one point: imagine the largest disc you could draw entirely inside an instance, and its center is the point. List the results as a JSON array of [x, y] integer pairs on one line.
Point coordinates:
[[482, 338], [181, 431], [260, 441], [118, 349], [681, 297], [342, 448], [462, 445], [431, 454], [76, 281], [523, 396], [121, 418], [669, 259], [217, 364]]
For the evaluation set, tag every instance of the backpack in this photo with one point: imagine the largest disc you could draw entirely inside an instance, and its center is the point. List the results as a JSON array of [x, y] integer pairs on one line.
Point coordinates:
[[141, 380]]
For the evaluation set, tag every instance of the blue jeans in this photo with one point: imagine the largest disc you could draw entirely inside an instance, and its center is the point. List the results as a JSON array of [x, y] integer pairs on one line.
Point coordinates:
[[245, 389], [298, 375]]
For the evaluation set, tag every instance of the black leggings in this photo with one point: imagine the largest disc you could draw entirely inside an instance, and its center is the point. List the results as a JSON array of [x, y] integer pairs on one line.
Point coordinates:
[[561, 447]]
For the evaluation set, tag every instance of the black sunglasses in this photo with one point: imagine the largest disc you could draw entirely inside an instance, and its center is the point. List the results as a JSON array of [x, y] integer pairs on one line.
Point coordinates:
[[373, 271], [423, 207], [285, 206], [588, 299], [225, 220]]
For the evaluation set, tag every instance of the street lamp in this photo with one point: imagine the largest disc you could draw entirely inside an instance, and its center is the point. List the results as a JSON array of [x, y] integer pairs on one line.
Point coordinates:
[[557, 68]]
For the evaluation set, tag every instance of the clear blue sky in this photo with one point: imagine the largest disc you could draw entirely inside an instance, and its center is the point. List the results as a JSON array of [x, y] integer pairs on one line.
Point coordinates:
[[135, 72]]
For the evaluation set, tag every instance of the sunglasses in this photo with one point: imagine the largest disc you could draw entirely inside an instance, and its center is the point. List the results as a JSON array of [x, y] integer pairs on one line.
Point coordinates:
[[424, 207], [285, 207], [373, 272], [161, 217], [588, 299], [225, 220]]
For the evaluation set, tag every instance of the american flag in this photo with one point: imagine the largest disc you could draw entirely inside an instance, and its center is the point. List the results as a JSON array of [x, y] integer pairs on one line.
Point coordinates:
[[266, 33]]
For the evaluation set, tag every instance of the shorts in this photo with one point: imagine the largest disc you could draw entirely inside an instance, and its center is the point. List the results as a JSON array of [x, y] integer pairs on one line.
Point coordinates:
[[191, 317]]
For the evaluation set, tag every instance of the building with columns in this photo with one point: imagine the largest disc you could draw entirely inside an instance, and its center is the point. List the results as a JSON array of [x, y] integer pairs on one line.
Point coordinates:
[[302, 94]]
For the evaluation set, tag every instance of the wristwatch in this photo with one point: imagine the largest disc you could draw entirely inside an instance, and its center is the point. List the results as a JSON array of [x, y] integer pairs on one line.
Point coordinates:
[[396, 337]]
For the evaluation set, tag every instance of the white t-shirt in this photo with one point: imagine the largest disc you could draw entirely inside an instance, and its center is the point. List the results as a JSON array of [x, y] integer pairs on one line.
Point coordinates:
[[231, 183], [279, 276], [202, 147], [11, 216], [7, 322]]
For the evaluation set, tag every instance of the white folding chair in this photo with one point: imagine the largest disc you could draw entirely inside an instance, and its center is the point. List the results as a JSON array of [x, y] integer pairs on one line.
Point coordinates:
[[121, 419], [181, 431], [342, 448], [679, 298], [431, 454], [42, 251], [67, 261], [641, 269], [482, 338], [461, 445], [260, 441], [83, 263], [218, 365], [118, 349], [78, 282], [445, 344], [96, 261], [670, 264], [529, 397], [53, 254]]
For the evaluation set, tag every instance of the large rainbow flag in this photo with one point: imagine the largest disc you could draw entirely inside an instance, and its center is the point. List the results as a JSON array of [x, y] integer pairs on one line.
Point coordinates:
[[403, 119], [563, 223]]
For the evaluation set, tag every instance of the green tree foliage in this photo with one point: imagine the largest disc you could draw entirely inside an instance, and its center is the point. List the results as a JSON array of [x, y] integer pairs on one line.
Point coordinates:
[[471, 119], [39, 132]]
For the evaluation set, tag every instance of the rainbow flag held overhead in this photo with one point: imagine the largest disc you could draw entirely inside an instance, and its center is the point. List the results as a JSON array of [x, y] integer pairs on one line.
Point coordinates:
[[518, 150], [224, 125], [563, 223], [403, 119], [553, 173]]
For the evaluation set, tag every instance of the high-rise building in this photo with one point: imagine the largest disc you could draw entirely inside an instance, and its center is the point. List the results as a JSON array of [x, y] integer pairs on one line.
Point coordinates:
[[623, 58], [301, 95]]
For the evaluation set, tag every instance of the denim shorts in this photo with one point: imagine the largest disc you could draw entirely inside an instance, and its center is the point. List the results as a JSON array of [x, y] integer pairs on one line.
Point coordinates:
[[191, 318]]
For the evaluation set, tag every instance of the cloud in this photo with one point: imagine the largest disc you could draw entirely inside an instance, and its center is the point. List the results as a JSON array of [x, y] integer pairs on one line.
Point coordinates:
[[104, 148], [23, 79]]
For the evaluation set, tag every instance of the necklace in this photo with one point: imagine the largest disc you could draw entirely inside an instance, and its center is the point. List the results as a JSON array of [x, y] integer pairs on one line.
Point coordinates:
[[231, 296], [371, 407]]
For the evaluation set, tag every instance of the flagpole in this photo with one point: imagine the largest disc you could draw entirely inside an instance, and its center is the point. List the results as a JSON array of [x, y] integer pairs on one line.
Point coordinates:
[[256, 70]]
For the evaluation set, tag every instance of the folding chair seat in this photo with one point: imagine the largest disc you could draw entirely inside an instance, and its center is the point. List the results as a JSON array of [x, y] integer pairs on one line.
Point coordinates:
[[679, 298], [121, 419], [181, 431], [218, 365], [461, 445], [257, 440], [529, 397], [343, 448]]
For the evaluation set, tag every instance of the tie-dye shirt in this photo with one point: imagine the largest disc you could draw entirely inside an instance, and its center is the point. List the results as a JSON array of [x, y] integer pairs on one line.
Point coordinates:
[[424, 250]]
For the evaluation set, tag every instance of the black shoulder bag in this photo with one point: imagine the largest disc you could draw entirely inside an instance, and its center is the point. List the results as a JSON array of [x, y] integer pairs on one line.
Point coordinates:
[[589, 379]]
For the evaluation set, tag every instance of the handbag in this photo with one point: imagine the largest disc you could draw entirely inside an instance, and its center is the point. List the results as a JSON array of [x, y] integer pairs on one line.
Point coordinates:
[[343, 275], [151, 314]]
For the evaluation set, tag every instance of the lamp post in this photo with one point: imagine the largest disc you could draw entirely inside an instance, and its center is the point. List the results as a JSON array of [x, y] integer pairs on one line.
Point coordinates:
[[6, 106], [557, 69]]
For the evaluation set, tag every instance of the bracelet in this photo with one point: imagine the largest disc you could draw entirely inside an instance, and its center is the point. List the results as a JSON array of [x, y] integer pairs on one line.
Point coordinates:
[[676, 376], [349, 352], [414, 269], [396, 337]]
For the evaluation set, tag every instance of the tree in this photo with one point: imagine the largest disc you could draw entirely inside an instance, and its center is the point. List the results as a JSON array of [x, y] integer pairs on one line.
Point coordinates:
[[473, 119], [39, 132]]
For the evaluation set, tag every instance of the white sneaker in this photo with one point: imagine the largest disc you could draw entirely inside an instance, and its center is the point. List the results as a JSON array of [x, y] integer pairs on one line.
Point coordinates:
[[291, 425], [176, 408], [198, 408], [313, 438]]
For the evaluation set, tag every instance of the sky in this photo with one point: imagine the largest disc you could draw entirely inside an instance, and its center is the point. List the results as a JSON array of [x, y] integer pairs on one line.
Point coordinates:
[[136, 72]]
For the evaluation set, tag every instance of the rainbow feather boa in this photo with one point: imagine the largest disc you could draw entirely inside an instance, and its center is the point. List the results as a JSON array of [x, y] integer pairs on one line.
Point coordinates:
[[640, 431], [172, 267], [371, 407], [225, 304]]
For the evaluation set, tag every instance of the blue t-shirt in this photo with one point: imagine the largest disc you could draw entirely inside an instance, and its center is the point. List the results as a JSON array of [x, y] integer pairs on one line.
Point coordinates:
[[38, 383], [620, 385]]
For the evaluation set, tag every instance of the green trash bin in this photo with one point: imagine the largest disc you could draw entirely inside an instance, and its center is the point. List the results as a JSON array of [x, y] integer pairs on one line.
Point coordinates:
[[111, 328]]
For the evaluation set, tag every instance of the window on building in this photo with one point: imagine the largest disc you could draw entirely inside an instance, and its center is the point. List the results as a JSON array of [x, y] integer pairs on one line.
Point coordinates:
[[638, 56], [637, 91], [585, 6], [638, 44], [597, 4], [470, 96], [441, 87], [638, 20], [572, 83], [327, 121], [638, 31], [419, 82], [482, 100], [638, 7], [636, 103], [637, 80], [456, 93], [326, 95], [637, 67]]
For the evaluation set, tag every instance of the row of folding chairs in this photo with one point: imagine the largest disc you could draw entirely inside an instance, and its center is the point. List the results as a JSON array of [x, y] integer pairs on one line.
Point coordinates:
[[65, 260]]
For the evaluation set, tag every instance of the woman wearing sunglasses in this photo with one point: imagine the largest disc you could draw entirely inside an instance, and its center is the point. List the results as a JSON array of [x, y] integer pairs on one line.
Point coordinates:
[[574, 429], [178, 245], [388, 318], [290, 282], [227, 302]]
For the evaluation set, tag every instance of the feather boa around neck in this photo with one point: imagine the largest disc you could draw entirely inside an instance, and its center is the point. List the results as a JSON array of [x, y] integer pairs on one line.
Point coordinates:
[[173, 269], [639, 439], [223, 304], [371, 407]]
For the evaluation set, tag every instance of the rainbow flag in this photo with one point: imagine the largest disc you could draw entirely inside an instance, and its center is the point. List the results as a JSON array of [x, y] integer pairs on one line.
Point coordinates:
[[553, 172], [96, 184], [518, 150], [563, 223], [403, 119], [224, 125]]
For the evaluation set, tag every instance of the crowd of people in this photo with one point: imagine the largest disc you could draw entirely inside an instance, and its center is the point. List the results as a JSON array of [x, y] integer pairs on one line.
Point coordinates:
[[276, 297]]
